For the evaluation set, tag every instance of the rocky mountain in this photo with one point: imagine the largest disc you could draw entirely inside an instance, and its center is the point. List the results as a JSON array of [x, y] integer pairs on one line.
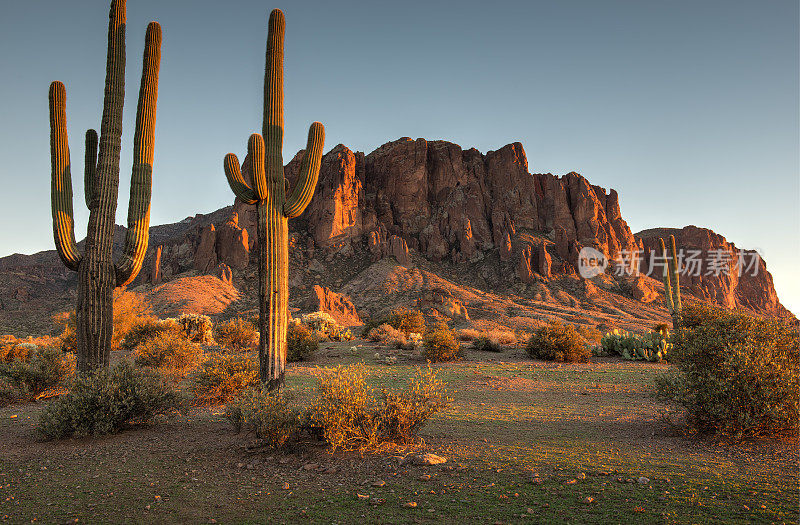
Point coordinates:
[[469, 236]]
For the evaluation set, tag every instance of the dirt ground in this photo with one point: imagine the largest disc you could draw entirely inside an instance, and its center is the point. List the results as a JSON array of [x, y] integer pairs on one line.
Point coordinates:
[[525, 442]]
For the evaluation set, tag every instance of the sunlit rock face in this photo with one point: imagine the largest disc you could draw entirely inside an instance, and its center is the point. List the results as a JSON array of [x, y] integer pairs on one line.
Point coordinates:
[[715, 270]]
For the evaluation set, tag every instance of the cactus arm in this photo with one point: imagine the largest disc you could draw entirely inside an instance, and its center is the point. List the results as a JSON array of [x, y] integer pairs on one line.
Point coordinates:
[[676, 277], [236, 181], [272, 131], [61, 179], [255, 166], [303, 190], [666, 277], [141, 177], [90, 166]]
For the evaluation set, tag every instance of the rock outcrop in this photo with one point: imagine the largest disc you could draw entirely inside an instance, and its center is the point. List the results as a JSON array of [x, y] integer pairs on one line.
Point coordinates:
[[714, 269], [340, 307]]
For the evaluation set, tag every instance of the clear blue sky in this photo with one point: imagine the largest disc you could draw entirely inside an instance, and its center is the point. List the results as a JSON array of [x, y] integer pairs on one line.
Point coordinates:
[[688, 108]]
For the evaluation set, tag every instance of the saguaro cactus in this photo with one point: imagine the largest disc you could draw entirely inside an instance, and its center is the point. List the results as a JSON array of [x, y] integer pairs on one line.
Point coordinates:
[[261, 182], [672, 281], [98, 275]]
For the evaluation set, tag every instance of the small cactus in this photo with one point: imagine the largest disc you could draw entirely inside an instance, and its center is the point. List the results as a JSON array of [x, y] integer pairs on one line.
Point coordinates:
[[98, 275]]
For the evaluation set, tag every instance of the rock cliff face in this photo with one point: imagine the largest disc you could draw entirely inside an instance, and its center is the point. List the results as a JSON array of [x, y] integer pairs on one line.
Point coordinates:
[[446, 219], [715, 270], [451, 204]]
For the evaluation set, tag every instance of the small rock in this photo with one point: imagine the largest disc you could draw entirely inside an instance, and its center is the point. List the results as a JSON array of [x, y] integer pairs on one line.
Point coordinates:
[[311, 466], [570, 481], [643, 480], [240, 465], [363, 496], [588, 499], [582, 475], [425, 477], [410, 504], [378, 483], [285, 486], [284, 461], [429, 459]]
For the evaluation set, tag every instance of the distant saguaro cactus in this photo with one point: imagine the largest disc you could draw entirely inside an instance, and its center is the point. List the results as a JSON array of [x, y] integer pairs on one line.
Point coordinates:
[[672, 281], [98, 275], [261, 182]]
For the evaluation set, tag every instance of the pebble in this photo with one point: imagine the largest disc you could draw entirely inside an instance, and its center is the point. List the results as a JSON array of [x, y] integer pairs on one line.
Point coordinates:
[[588, 499], [378, 483], [286, 486], [410, 504], [643, 480], [363, 496], [311, 466], [425, 477]]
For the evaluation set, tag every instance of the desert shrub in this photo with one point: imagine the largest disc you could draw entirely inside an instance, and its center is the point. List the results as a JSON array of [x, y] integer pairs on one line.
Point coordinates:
[[265, 413], [348, 415], [197, 328], [370, 325], [440, 344], [169, 351], [400, 415], [486, 344], [67, 338], [147, 329], [300, 343], [221, 377], [130, 309], [107, 401], [39, 370], [12, 349], [407, 320], [236, 335], [468, 334], [386, 333], [736, 374], [557, 342], [590, 334], [503, 337], [324, 325], [8, 392]]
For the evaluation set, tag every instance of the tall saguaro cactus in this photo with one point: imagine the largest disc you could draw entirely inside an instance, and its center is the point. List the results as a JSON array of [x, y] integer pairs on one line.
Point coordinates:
[[98, 275], [261, 182], [672, 281]]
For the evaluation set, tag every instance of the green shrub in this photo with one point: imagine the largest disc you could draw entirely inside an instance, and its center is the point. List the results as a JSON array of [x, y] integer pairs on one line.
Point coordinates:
[[737, 374], [557, 342], [221, 377], [348, 416], [107, 401], [265, 413], [441, 344], [300, 343], [147, 329], [236, 335], [169, 350], [407, 321], [486, 344], [40, 370]]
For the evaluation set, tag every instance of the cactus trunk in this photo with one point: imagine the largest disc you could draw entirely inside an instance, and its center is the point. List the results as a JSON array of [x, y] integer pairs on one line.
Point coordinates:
[[98, 275], [263, 170], [672, 281]]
